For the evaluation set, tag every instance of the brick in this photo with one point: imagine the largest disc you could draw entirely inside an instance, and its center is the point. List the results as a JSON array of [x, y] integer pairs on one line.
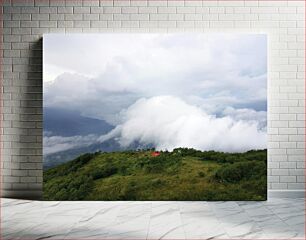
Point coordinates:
[[91, 16], [230, 3], [291, 10], [176, 17], [158, 17], [11, 24], [300, 179], [81, 10], [217, 10], [167, 24], [72, 17], [29, 10], [202, 10], [158, 3], [148, 24], [19, 173], [222, 24], [20, 46], [103, 17], [11, 179], [28, 179], [7, 31], [49, 10], [98, 24], [273, 179], [300, 164], [147, 9], [287, 130], [185, 24], [25, 3], [296, 172], [64, 10], [287, 165], [277, 186], [11, 53], [139, 17], [60, 3], [40, 16], [192, 17], [137, 3], [287, 179], [119, 17], [166, 10], [268, 10], [74, 3], [11, 9], [277, 151], [111, 10], [57, 17], [296, 151], [38, 31], [21, 31], [230, 17], [296, 124], [242, 10], [296, 158], [201, 24], [40, 3], [29, 24], [189, 3], [185, 9], [91, 3], [296, 186], [176, 3], [114, 24], [273, 165], [96, 10], [130, 24], [21, 17], [265, 24], [127, 10], [81, 24]]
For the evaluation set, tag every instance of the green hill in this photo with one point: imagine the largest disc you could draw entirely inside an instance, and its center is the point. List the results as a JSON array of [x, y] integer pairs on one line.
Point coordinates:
[[183, 174]]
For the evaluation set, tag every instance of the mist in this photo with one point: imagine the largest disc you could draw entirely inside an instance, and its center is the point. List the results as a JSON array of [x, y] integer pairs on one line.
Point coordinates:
[[167, 122]]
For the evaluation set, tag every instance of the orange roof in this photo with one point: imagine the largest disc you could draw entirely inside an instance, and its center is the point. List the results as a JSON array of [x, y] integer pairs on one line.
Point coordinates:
[[155, 154]]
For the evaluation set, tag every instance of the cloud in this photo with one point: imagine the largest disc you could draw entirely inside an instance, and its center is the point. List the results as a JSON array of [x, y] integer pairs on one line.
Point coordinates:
[[167, 122], [246, 114], [109, 72], [53, 144], [88, 96]]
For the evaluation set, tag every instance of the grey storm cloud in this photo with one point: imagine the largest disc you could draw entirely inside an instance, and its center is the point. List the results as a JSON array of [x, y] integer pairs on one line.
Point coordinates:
[[104, 75]]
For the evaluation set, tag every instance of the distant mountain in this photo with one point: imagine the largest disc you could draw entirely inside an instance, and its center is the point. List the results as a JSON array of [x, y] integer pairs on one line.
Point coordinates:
[[111, 145], [67, 123]]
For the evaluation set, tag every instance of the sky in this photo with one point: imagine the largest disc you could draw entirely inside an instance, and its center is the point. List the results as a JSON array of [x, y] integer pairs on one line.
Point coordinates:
[[207, 91]]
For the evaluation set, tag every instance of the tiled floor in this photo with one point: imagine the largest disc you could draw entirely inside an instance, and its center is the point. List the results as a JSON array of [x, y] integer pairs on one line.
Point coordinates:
[[274, 219]]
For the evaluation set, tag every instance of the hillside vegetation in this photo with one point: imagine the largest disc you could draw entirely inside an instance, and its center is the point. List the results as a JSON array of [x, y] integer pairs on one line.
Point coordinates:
[[183, 174]]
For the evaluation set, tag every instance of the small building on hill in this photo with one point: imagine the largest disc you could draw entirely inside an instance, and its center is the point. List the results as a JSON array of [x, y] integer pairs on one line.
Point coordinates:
[[155, 154]]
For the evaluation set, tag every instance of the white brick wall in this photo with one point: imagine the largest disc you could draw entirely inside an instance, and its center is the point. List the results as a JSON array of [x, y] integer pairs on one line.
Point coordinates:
[[24, 22]]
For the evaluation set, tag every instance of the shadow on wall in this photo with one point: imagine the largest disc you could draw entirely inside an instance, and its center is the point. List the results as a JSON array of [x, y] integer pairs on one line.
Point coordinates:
[[30, 123]]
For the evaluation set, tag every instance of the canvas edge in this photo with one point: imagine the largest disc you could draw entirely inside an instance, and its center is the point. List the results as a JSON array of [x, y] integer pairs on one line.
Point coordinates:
[[37, 194]]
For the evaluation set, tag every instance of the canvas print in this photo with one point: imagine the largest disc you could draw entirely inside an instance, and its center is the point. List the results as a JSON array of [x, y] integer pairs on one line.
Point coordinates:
[[179, 116]]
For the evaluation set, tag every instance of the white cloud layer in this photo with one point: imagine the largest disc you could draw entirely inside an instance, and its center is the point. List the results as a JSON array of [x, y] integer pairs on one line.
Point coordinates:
[[53, 144], [101, 74], [167, 122]]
